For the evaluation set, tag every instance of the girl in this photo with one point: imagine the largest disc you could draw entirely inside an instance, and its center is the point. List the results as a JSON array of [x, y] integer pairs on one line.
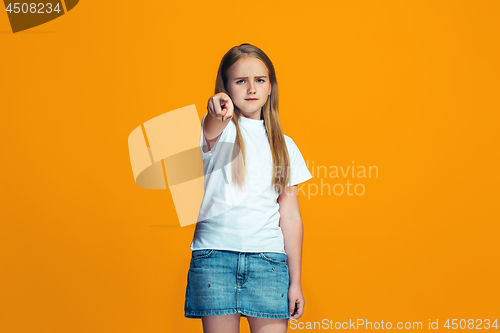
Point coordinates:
[[247, 245]]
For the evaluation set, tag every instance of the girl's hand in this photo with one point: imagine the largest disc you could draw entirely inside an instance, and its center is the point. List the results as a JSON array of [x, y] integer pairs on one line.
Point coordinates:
[[220, 106], [295, 301]]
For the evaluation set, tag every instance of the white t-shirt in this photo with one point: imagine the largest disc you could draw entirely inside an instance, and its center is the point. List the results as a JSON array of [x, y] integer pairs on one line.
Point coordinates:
[[243, 220]]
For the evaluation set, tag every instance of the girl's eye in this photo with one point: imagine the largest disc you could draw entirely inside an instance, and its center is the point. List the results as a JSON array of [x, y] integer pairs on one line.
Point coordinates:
[[258, 80]]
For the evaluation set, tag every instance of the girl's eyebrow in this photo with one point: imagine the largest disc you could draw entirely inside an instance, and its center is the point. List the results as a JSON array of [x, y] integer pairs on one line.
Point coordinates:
[[246, 77]]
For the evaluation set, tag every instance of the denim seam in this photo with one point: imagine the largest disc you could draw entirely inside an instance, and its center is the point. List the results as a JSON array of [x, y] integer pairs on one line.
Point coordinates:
[[208, 313], [263, 256], [245, 312], [246, 270], [209, 254], [280, 316], [187, 294]]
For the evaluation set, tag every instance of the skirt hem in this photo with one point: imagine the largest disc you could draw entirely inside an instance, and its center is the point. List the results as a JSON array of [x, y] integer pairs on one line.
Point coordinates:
[[244, 313]]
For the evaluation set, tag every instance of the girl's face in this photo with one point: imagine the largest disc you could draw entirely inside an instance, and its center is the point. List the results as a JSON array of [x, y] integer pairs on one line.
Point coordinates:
[[249, 86]]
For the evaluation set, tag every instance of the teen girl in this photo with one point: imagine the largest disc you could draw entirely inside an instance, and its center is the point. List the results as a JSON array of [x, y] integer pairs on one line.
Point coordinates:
[[247, 245]]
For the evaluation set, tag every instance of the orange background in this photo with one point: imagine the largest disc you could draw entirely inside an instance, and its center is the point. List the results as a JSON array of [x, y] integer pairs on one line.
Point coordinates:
[[410, 87]]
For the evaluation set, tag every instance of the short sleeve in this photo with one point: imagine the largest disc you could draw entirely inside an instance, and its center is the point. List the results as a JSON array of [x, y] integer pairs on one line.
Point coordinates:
[[298, 168]]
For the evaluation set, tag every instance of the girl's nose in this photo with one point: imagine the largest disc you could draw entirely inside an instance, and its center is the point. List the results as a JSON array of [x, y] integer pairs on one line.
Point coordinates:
[[251, 88]]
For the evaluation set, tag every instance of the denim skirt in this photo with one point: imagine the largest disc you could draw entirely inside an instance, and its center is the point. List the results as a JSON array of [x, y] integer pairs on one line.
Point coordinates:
[[254, 284]]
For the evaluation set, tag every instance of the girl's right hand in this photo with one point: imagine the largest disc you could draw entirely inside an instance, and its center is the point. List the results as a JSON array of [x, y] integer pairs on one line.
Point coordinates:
[[220, 106]]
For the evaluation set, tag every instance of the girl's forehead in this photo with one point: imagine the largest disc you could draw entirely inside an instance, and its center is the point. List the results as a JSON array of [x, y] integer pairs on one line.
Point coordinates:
[[248, 66]]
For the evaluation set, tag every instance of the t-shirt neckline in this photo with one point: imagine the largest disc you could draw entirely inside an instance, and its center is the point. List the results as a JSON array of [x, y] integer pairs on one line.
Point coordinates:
[[251, 122]]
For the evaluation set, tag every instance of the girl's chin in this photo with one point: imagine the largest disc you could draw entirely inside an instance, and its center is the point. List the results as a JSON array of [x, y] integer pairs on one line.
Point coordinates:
[[249, 114], [251, 111]]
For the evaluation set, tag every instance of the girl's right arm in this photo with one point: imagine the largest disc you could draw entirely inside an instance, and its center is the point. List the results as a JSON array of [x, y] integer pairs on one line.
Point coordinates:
[[220, 111]]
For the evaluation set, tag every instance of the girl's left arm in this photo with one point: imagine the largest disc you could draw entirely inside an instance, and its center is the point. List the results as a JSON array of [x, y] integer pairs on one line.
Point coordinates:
[[291, 226]]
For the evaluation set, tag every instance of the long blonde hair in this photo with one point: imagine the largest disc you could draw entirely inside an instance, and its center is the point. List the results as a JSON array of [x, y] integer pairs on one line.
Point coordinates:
[[270, 115]]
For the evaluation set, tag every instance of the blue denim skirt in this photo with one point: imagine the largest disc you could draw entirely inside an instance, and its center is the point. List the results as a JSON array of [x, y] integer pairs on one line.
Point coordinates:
[[224, 282]]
